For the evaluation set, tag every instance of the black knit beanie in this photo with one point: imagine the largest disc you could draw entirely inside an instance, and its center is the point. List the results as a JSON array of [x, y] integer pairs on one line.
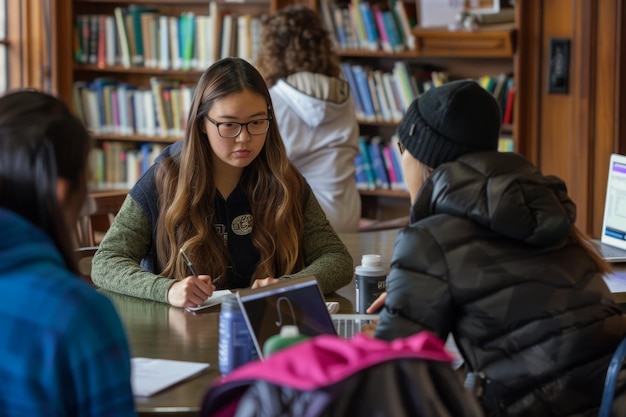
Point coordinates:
[[446, 122]]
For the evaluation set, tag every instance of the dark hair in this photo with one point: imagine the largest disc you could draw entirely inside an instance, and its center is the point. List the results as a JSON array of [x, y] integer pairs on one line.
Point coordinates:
[[40, 142], [294, 39], [187, 190]]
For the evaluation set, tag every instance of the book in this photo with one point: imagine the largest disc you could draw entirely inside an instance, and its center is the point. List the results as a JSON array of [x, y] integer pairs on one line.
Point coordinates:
[[349, 76], [359, 173], [510, 102], [111, 42], [396, 160], [395, 105], [135, 13], [150, 376], [328, 19], [393, 31], [362, 85], [391, 173], [405, 24], [163, 60], [382, 31], [186, 39], [227, 36], [215, 32], [403, 84], [244, 40], [381, 178], [371, 31], [367, 163], [120, 23], [176, 60]]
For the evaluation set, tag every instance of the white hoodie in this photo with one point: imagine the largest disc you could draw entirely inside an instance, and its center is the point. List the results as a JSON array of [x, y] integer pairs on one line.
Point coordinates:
[[318, 124]]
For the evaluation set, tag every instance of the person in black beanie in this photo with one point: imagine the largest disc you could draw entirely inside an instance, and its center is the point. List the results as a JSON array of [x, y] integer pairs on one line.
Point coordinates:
[[492, 257]]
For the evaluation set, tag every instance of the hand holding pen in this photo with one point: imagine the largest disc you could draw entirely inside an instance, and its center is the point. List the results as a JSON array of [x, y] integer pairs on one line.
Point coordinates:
[[192, 290]]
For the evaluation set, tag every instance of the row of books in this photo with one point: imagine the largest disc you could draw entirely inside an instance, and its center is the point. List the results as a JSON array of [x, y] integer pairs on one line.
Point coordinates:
[[381, 96], [119, 165], [379, 26], [143, 37], [378, 162], [108, 106]]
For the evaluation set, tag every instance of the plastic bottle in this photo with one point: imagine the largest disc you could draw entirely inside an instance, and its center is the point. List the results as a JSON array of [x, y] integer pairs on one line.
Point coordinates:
[[288, 336], [371, 281], [235, 346]]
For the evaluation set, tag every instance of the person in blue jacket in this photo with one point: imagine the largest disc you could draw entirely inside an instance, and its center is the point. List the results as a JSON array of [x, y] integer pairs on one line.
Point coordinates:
[[63, 351]]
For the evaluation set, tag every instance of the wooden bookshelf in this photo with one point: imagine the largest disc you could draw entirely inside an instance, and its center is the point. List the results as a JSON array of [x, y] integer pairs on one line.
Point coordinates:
[[460, 54], [139, 99]]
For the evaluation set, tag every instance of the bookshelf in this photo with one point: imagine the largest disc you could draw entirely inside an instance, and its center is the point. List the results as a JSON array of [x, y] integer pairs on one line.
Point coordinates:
[[486, 55], [128, 69]]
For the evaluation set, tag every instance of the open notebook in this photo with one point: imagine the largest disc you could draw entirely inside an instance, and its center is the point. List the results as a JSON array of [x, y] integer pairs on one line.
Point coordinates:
[[612, 244], [297, 301]]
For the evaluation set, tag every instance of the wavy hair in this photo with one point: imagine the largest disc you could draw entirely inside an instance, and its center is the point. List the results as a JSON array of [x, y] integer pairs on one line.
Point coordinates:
[[188, 193], [40, 142], [294, 39]]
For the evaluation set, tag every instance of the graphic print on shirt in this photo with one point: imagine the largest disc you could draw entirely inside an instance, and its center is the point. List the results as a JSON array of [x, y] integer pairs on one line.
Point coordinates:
[[221, 231], [242, 225]]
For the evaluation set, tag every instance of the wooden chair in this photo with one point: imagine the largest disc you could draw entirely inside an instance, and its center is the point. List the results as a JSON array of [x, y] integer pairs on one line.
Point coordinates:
[[84, 257], [98, 216]]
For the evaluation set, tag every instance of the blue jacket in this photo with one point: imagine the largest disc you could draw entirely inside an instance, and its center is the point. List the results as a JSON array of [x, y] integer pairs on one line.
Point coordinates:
[[63, 350]]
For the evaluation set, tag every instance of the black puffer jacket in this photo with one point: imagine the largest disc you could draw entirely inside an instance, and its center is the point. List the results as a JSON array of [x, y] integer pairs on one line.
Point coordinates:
[[489, 257]]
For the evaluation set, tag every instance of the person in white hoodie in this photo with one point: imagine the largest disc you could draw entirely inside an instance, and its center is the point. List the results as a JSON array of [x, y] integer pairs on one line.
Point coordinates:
[[314, 109]]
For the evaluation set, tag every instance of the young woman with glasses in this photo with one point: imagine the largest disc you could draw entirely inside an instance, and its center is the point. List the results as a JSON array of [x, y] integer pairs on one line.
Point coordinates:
[[228, 197]]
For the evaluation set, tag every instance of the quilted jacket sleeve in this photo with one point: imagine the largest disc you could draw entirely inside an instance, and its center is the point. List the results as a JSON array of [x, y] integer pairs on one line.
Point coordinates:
[[418, 293]]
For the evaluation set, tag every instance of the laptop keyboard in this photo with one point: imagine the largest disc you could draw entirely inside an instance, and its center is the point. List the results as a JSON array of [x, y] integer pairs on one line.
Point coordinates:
[[349, 325], [610, 252]]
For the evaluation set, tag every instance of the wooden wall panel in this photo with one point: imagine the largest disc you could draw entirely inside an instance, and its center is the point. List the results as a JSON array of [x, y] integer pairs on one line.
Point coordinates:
[[572, 135], [604, 133]]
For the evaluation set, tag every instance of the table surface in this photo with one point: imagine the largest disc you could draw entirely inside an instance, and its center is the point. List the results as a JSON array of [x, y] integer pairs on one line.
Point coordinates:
[[157, 330]]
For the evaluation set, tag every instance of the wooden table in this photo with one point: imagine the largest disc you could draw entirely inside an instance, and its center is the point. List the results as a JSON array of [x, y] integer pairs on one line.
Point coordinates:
[[157, 330]]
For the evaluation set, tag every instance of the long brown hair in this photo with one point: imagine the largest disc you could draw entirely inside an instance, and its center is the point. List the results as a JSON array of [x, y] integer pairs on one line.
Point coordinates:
[[187, 189], [294, 39], [40, 142]]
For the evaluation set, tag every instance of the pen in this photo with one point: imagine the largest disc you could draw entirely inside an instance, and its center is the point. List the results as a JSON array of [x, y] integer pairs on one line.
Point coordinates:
[[191, 267], [189, 263]]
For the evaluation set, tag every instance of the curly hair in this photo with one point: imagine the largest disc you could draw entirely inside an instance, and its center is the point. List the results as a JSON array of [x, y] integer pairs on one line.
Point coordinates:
[[187, 189], [293, 40]]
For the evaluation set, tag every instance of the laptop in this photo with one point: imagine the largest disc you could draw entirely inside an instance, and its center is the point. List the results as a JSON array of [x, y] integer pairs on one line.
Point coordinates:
[[299, 302], [612, 243]]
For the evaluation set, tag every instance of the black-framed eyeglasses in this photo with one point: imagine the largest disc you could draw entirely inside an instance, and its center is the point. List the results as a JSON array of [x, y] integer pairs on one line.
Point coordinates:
[[401, 147], [233, 129]]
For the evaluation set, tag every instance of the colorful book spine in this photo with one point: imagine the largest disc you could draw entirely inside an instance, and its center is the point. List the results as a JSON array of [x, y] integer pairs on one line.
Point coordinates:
[[372, 37], [367, 163], [360, 77], [349, 76], [378, 164]]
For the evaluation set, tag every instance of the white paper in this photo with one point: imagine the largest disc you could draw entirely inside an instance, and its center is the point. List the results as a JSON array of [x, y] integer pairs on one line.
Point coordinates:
[[616, 281], [215, 299], [149, 376], [434, 13]]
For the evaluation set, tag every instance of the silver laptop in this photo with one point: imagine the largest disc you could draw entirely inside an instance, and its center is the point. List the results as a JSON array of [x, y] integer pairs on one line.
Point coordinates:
[[299, 302], [612, 243]]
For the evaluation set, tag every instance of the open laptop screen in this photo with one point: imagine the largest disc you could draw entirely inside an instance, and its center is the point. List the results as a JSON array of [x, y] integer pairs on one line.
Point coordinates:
[[614, 222], [297, 301]]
